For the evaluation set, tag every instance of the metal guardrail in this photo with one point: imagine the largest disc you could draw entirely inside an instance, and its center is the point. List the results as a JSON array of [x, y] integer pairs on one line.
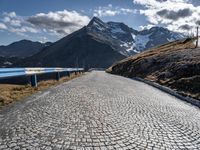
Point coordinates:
[[33, 72]]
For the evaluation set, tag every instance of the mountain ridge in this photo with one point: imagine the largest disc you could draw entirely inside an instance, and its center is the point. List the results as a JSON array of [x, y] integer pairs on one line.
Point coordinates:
[[22, 48], [112, 41], [129, 41], [77, 49]]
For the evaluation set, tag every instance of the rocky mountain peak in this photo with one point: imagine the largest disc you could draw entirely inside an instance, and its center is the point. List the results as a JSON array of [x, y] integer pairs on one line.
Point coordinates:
[[127, 40], [97, 23]]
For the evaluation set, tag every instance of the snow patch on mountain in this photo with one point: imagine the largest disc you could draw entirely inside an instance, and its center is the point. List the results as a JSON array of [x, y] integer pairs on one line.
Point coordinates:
[[117, 30], [138, 44], [141, 41], [131, 48], [133, 36], [99, 27], [128, 41]]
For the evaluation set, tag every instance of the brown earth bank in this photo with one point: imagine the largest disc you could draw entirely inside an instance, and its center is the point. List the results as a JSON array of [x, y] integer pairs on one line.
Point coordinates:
[[175, 65], [10, 93]]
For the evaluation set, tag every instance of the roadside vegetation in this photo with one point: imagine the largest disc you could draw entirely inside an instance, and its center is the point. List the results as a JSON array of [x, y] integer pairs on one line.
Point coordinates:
[[12, 92], [175, 65]]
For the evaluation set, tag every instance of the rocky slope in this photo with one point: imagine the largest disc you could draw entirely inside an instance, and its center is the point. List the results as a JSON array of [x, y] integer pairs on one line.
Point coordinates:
[[176, 65]]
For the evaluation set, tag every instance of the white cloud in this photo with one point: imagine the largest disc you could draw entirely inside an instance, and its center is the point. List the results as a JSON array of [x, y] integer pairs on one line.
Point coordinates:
[[60, 22], [17, 24], [112, 11], [3, 26], [12, 19], [10, 14], [146, 27], [24, 29], [176, 15]]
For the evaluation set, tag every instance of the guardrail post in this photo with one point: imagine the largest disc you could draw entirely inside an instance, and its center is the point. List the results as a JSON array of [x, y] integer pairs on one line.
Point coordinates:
[[57, 76], [32, 72], [34, 80], [68, 73]]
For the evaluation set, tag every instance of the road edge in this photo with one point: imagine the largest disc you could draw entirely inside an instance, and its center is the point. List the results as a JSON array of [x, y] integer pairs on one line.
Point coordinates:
[[169, 91], [37, 93]]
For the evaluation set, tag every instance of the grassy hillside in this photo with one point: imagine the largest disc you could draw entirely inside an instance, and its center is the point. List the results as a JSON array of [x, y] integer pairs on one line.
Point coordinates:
[[176, 65]]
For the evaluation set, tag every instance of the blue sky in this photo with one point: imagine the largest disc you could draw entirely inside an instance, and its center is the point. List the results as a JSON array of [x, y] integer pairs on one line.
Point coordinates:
[[50, 20]]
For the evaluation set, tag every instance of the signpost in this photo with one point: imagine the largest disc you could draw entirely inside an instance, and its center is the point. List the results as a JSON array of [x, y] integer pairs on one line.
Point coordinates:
[[197, 43]]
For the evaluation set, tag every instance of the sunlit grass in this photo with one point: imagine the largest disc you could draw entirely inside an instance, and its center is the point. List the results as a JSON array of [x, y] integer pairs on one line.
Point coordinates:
[[12, 92]]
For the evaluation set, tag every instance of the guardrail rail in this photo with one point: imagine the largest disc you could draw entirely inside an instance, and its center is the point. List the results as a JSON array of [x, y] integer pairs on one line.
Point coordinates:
[[33, 72]]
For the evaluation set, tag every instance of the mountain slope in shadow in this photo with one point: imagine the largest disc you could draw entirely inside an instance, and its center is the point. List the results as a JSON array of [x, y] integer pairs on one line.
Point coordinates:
[[22, 49], [77, 49]]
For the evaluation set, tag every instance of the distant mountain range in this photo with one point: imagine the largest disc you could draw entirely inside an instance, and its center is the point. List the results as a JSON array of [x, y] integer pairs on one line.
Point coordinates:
[[8, 61], [22, 49], [128, 41], [98, 44]]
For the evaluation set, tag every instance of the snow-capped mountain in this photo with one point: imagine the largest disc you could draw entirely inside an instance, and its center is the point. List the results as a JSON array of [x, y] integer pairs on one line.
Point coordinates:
[[98, 45], [127, 40]]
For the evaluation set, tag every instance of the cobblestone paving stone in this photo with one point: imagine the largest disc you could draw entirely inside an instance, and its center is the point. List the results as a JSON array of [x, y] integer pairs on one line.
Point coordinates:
[[100, 111]]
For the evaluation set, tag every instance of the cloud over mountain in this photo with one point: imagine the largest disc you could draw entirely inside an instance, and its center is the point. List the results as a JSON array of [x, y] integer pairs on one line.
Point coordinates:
[[176, 15], [112, 11], [17, 24], [59, 23], [2, 26], [62, 22]]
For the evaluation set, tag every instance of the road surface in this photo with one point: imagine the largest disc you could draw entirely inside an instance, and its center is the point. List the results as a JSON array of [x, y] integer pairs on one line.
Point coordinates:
[[100, 111]]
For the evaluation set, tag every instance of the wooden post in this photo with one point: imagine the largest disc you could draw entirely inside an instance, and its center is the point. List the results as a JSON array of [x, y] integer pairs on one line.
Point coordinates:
[[197, 43], [34, 80]]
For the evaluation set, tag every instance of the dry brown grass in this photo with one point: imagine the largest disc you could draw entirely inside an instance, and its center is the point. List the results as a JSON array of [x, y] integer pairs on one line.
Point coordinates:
[[174, 46], [10, 93], [175, 64]]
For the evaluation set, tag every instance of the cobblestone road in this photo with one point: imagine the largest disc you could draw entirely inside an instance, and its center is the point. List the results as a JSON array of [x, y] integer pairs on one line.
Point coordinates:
[[100, 111]]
